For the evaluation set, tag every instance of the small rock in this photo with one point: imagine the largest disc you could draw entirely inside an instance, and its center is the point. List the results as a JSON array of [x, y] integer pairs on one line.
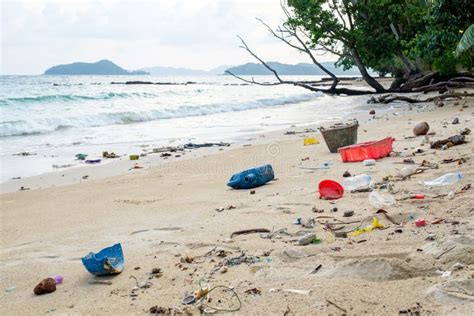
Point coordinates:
[[348, 213], [317, 210], [144, 284], [223, 269], [48, 285], [340, 234], [252, 192], [334, 209], [456, 121], [346, 174], [155, 270], [372, 112]]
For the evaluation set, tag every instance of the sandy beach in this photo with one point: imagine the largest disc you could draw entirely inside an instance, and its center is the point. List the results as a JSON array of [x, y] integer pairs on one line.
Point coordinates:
[[165, 217]]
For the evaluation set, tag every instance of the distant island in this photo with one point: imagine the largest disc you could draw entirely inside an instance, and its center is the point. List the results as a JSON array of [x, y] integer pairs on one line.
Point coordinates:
[[102, 67], [106, 67], [301, 69]]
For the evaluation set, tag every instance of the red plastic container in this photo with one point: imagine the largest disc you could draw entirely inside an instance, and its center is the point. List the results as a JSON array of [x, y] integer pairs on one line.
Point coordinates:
[[330, 190], [375, 149], [420, 222]]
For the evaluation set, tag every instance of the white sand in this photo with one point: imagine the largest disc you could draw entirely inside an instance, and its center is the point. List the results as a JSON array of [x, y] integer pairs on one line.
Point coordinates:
[[165, 212]]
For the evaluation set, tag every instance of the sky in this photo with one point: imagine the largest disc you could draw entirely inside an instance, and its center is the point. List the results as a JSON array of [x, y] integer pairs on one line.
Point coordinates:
[[198, 34]]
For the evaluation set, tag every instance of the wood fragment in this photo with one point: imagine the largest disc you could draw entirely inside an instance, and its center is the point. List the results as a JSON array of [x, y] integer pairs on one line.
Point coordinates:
[[337, 306], [445, 252], [316, 269], [104, 282], [249, 231]]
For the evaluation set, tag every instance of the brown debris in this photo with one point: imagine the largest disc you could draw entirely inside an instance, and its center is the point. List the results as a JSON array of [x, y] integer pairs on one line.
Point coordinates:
[[47, 285]]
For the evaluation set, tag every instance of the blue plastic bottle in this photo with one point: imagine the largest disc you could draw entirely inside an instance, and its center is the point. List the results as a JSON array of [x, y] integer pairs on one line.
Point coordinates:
[[252, 178]]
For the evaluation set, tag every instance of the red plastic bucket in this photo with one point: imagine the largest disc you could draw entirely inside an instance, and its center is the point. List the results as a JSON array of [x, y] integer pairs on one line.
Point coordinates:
[[330, 190], [369, 150]]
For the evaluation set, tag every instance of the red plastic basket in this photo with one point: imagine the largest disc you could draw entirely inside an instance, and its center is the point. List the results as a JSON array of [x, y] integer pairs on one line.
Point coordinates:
[[375, 149]]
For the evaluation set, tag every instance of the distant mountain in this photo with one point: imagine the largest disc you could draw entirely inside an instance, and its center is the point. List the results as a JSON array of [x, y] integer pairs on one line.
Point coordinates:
[[302, 69], [220, 70], [102, 67], [173, 71]]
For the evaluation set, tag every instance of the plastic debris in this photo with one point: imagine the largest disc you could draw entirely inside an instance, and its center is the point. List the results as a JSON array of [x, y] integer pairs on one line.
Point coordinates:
[[330, 190], [252, 178], [58, 279], [408, 171], [108, 261], [294, 291], [451, 195], [369, 162], [196, 146], [134, 157], [93, 161], [189, 299], [420, 222], [444, 274], [449, 142], [358, 231], [310, 141], [111, 155], [10, 289], [81, 156], [447, 179], [368, 150], [381, 200], [359, 182], [307, 239]]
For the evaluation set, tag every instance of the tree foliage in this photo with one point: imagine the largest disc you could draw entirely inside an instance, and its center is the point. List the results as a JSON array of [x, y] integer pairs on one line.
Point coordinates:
[[467, 41], [389, 36]]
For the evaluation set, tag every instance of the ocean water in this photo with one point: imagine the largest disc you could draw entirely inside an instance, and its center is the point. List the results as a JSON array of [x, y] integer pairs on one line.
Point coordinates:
[[55, 117]]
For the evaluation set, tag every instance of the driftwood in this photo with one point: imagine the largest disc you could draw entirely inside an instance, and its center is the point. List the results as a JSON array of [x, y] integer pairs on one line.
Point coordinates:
[[249, 231], [387, 98]]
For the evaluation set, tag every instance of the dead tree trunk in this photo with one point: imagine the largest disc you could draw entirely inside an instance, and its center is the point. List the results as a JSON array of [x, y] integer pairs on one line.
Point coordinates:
[[365, 75]]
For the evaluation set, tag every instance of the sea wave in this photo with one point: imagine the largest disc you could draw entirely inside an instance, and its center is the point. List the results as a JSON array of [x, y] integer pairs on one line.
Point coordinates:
[[47, 125], [71, 98]]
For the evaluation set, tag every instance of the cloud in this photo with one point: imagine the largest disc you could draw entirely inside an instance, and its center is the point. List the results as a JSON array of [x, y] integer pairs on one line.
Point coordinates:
[[134, 34]]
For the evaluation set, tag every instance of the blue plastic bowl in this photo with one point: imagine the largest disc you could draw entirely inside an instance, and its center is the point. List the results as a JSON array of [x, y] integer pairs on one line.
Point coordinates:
[[108, 261]]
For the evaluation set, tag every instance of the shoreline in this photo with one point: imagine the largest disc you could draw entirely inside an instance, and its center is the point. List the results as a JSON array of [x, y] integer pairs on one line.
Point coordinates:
[[122, 165]]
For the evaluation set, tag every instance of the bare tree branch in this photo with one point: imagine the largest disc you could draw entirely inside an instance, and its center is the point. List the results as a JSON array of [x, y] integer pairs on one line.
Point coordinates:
[[259, 59], [253, 80], [340, 14], [293, 32]]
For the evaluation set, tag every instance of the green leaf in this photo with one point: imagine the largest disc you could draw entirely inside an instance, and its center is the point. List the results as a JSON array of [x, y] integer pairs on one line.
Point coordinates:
[[467, 40]]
